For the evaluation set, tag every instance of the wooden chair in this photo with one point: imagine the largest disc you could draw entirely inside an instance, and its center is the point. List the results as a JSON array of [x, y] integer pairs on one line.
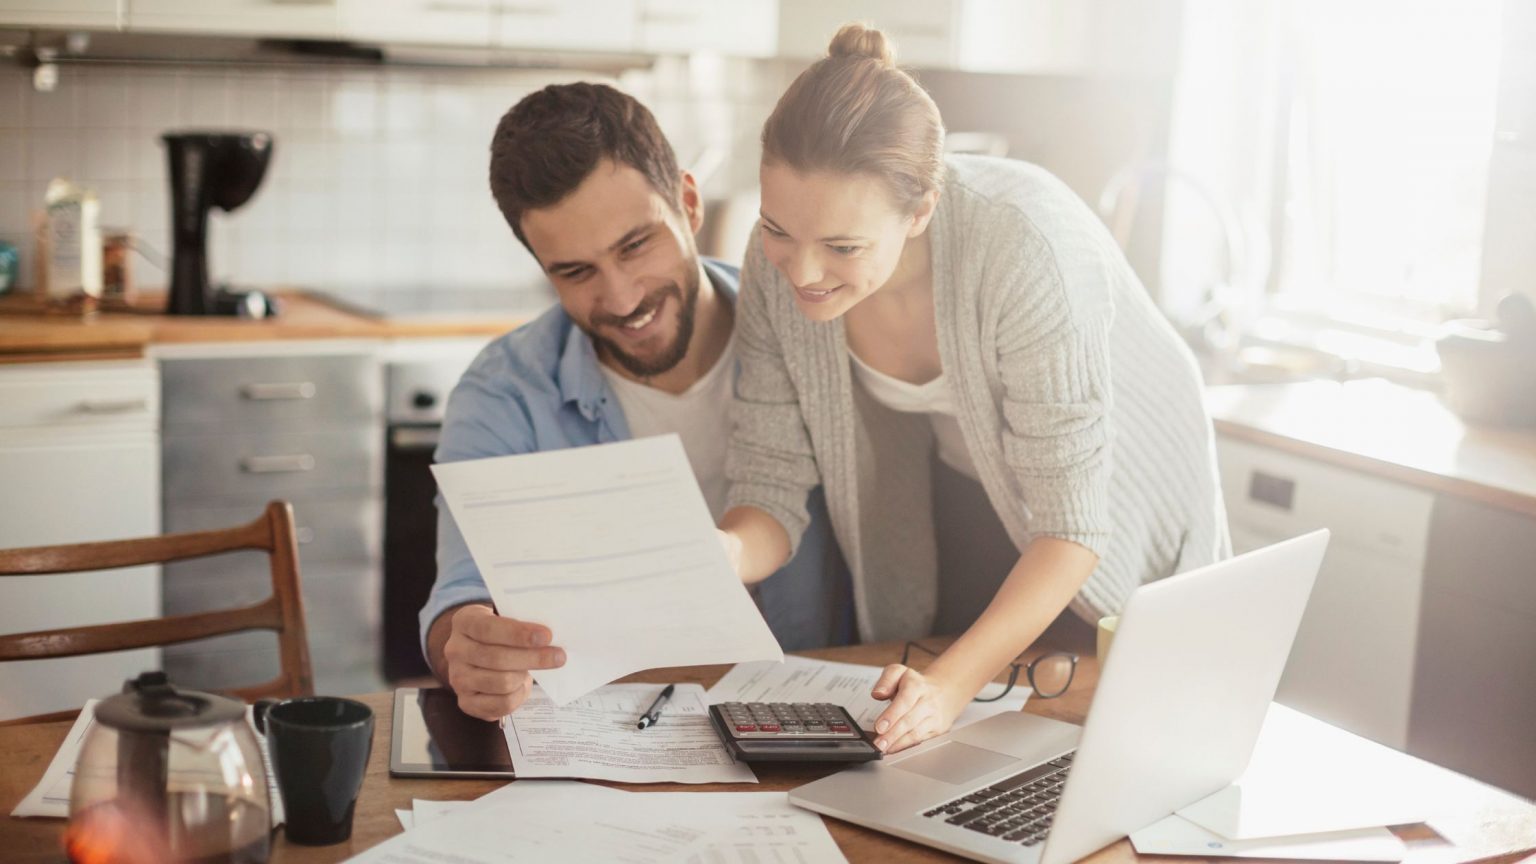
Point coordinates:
[[282, 612]]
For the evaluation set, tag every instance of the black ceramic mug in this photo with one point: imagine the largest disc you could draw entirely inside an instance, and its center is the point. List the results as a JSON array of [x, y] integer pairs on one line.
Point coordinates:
[[319, 747]]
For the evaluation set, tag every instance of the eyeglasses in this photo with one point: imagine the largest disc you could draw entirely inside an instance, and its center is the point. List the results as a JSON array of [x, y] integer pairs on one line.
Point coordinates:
[[1049, 675]]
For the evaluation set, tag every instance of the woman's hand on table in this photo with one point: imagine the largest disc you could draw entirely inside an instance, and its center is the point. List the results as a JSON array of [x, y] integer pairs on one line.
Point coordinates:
[[921, 707]]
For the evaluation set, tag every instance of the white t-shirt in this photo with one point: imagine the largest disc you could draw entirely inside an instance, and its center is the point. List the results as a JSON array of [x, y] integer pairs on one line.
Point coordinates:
[[932, 398], [700, 416]]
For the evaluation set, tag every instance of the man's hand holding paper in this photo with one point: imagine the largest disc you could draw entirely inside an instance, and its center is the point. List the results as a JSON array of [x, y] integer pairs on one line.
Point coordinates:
[[489, 660], [612, 547]]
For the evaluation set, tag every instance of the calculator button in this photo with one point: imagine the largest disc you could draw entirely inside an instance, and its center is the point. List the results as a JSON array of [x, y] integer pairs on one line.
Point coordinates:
[[840, 727], [746, 727], [769, 727]]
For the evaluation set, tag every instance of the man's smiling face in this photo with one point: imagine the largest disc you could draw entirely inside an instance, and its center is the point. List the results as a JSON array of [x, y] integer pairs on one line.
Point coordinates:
[[624, 263]]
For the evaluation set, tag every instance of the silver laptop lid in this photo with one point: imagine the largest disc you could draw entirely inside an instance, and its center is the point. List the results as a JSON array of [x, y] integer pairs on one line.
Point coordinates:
[[1195, 664]]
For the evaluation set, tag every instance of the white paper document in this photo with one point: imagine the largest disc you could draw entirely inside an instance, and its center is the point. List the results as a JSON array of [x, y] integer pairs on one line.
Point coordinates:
[[767, 828], [801, 679], [595, 737], [612, 547], [1308, 777], [1176, 835], [550, 820], [739, 827], [50, 797]]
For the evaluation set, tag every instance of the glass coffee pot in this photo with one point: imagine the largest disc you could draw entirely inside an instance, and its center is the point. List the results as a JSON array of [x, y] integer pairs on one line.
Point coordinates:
[[169, 775]]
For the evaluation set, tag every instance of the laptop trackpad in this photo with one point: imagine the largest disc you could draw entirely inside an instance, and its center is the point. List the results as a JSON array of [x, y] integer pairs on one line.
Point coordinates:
[[953, 762]]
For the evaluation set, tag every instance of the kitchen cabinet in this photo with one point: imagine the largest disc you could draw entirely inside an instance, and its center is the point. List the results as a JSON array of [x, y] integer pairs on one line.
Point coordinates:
[[422, 22], [598, 25], [91, 14], [1019, 36], [746, 28], [305, 19], [926, 32], [1473, 704], [80, 458], [299, 422], [1354, 658]]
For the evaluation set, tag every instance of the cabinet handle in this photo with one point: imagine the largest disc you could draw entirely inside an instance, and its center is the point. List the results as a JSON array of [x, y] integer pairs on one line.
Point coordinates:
[[277, 464], [278, 391], [414, 437], [113, 406], [1271, 489]]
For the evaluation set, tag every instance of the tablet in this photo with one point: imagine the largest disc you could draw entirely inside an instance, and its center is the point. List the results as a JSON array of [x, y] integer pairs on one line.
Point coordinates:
[[433, 738]]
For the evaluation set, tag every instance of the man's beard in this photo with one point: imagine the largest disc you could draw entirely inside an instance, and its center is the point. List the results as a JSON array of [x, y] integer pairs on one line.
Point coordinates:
[[687, 297]]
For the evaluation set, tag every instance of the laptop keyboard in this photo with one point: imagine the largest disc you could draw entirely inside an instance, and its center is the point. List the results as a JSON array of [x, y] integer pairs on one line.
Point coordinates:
[[1019, 809]]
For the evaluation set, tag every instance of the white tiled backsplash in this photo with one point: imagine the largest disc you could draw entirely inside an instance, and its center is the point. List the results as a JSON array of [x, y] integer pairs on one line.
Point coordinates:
[[378, 176]]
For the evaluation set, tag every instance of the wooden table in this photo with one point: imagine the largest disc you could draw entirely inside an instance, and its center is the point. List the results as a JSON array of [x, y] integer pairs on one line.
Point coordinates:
[[28, 749]]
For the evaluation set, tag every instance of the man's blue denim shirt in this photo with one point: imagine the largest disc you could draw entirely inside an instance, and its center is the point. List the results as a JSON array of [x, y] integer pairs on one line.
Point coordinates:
[[539, 388]]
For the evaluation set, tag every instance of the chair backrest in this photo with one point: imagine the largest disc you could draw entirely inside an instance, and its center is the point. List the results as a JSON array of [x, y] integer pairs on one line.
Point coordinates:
[[283, 612]]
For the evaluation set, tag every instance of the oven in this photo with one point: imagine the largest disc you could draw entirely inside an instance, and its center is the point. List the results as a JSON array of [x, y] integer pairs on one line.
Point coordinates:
[[419, 375]]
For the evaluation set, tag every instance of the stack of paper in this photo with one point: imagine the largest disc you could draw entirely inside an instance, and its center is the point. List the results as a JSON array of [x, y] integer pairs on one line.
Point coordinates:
[[423, 811], [552, 820], [1314, 791]]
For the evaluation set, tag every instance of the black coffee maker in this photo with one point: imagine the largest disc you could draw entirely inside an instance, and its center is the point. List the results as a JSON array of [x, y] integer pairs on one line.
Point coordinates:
[[209, 169]]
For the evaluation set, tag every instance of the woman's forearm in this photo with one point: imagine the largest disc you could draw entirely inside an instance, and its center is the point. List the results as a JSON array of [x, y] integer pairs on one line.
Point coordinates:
[[756, 543], [1045, 579]]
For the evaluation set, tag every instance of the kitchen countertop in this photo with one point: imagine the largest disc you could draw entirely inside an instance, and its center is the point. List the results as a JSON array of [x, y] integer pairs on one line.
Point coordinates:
[[1384, 429], [27, 335], [1373, 426]]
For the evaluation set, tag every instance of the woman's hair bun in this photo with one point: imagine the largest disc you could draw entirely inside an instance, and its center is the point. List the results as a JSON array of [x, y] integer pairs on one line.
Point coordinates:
[[859, 40]]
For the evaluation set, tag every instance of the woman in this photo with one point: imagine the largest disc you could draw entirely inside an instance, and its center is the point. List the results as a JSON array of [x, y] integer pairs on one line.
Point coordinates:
[[894, 299]]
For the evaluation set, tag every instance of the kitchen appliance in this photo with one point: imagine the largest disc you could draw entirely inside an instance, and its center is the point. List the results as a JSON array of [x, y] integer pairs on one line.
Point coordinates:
[[419, 375], [208, 169], [166, 774]]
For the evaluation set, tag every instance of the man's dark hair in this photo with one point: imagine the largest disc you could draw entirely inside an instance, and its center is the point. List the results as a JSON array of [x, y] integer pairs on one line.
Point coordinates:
[[551, 140]]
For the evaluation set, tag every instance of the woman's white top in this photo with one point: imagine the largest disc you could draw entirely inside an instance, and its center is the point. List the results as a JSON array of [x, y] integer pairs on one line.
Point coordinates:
[[932, 398]]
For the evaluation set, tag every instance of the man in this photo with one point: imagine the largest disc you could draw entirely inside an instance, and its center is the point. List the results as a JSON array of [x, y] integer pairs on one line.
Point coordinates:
[[640, 344]]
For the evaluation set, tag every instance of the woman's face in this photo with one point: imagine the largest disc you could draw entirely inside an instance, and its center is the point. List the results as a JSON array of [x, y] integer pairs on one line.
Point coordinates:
[[836, 237]]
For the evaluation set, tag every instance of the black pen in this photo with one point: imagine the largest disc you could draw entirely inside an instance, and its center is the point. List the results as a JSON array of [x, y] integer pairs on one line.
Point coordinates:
[[653, 713]]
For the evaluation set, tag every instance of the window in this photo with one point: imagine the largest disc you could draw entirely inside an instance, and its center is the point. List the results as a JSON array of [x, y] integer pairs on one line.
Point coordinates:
[[1387, 137]]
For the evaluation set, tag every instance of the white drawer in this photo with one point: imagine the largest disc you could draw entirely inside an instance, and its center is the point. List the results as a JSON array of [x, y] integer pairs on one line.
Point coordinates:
[[1281, 495], [89, 394]]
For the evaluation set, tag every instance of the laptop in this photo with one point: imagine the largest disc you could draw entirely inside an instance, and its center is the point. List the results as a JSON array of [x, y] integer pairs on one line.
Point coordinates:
[[1179, 705]]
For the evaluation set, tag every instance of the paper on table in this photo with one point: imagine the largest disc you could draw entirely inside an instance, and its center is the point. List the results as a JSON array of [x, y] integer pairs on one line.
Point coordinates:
[[1308, 777], [613, 548], [551, 821], [1176, 835], [768, 829], [50, 797], [406, 817], [595, 737], [800, 679], [427, 811], [746, 827]]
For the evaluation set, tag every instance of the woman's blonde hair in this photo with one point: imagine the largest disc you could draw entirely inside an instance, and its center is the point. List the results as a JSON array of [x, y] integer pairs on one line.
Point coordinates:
[[854, 112]]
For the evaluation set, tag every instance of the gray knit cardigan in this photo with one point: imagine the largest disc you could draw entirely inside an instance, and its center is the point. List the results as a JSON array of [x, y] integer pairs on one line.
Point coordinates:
[[1080, 406]]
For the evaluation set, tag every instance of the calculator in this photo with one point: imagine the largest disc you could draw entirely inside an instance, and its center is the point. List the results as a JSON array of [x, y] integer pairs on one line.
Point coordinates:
[[791, 732]]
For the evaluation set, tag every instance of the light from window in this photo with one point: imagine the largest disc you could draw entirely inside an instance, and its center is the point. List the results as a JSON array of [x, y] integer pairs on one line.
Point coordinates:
[[1385, 176]]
